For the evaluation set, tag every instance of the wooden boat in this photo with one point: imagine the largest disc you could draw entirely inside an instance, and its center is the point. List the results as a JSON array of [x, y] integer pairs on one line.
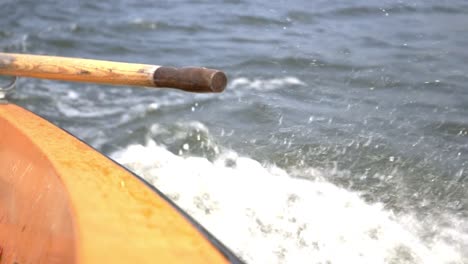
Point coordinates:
[[61, 201]]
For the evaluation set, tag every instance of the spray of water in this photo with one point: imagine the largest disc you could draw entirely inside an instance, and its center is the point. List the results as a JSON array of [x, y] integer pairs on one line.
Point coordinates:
[[267, 216]]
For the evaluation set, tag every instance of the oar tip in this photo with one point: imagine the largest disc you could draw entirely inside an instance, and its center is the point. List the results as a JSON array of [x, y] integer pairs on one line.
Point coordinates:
[[191, 79], [218, 81]]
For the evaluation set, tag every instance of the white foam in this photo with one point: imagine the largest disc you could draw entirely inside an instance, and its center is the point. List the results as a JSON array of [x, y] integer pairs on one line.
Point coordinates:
[[265, 84], [267, 216], [83, 110]]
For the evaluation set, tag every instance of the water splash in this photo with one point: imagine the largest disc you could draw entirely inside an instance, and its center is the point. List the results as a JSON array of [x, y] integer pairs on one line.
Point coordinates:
[[266, 84], [267, 216]]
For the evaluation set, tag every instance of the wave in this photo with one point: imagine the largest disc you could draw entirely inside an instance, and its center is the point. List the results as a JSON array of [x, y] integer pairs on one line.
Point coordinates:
[[255, 20], [303, 64], [142, 24], [265, 84], [395, 9], [267, 216]]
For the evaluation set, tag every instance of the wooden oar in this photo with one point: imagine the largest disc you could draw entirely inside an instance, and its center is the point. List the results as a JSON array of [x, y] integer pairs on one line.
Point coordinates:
[[192, 79]]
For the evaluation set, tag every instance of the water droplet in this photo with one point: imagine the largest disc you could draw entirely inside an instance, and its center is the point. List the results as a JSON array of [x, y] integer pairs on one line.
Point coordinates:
[[153, 106]]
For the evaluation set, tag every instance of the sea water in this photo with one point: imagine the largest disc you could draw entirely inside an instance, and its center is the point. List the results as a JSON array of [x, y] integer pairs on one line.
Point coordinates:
[[342, 136]]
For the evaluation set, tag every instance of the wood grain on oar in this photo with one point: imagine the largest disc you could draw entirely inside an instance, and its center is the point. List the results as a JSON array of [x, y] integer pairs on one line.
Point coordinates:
[[192, 79]]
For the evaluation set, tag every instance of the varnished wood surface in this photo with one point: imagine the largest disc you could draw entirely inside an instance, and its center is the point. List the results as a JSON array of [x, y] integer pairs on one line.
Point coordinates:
[[77, 69], [63, 202], [35, 212]]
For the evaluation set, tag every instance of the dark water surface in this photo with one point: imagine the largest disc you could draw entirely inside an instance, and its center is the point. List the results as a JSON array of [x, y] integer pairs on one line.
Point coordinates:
[[369, 97]]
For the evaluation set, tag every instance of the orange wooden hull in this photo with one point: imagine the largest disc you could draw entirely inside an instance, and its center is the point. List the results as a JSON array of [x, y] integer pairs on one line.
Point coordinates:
[[63, 202]]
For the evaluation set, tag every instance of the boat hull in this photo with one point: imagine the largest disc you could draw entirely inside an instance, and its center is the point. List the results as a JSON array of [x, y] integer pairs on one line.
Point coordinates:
[[61, 201]]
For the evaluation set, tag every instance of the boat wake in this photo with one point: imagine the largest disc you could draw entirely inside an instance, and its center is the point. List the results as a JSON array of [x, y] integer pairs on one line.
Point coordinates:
[[267, 216]]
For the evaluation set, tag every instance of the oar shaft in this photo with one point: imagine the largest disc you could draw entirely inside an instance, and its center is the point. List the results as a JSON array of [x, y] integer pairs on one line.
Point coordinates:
[[190, 79]]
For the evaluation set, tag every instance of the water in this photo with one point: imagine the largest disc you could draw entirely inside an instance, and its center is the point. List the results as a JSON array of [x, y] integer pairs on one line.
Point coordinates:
[[341, 138]]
